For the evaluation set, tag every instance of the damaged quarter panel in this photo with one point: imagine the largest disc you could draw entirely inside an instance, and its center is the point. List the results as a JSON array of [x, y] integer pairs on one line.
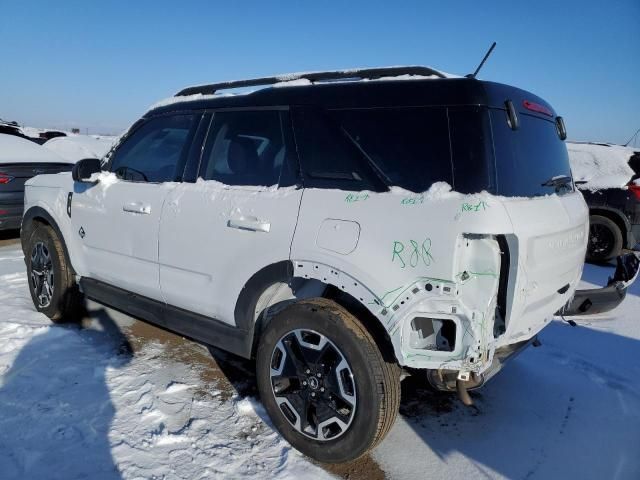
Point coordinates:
[[434, 289]]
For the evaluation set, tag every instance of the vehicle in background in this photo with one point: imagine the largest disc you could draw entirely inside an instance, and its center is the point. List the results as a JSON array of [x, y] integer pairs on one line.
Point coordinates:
[[20, 160], [76, 147], [609, 178]]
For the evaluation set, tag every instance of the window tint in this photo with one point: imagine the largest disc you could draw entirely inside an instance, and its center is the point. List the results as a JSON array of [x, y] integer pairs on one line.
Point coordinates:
[[329, 159], [529, 156], [245, 148], [409, 147], [155, 152], [473, 167]]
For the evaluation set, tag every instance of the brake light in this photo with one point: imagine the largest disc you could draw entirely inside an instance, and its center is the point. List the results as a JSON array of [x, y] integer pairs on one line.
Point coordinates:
[[536, 107], [4, 178], [635, 189]]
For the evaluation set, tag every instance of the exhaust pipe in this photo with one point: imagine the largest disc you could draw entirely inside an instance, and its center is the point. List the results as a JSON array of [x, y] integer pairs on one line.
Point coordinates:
[[463, 394]]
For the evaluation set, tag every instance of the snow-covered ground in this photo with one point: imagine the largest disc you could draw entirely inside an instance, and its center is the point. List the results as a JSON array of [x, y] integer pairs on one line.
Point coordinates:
[[117, 399]]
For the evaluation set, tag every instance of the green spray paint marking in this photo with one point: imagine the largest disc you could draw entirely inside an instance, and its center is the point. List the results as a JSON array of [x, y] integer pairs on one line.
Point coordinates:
[[416, 253], [356, 197], [417, 200], [480, 206], [463, 276]]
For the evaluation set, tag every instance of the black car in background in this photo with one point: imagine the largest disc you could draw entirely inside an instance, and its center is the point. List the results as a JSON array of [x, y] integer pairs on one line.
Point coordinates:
[[612, 197], [20, 160]]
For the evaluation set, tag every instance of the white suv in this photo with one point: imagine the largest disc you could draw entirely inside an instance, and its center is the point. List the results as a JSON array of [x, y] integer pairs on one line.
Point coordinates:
[[340, 231]]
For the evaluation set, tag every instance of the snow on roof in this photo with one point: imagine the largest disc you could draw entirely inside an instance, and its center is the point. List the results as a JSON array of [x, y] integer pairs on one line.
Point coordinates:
[[296, 79], [19, 150], [600, 165], [77, 147]]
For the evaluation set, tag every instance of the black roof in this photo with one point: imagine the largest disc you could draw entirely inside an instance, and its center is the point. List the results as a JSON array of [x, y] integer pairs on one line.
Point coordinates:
[[340, 90]]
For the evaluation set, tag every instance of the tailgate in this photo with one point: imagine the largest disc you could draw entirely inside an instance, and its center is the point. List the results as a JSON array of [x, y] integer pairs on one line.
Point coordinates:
[[549, 245]]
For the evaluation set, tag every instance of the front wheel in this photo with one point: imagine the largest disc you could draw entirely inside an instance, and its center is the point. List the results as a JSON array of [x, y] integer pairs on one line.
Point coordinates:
[[325, 383], [51, 282]]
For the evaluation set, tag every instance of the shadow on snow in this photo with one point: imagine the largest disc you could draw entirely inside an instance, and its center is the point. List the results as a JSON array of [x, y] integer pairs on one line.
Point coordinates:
[[55, 406]]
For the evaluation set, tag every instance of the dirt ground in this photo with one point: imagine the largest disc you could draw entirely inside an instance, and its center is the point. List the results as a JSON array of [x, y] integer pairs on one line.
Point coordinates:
[[230, 374], [9, 237]]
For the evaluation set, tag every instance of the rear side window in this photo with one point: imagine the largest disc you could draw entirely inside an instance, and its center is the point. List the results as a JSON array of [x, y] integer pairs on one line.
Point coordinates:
[[156, 151], [408, 147], [329, 159], [246, 148], [473, 165], [528, 157]]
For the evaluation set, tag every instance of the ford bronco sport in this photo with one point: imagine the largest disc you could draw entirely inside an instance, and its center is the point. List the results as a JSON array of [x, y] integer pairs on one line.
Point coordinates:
[[339, 227]]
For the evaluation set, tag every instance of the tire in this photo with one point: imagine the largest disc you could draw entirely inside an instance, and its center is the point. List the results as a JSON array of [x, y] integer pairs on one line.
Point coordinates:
[[605, 239], [51, 281], [364, 395]]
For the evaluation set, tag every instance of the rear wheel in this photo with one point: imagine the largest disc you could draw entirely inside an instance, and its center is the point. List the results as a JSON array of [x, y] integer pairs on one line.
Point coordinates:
[[325, 383], [605, 239], [51, 282]]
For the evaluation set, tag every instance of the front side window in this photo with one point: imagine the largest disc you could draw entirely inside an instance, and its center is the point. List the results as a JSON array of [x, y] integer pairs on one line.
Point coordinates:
[[156, 151], [246, 148]]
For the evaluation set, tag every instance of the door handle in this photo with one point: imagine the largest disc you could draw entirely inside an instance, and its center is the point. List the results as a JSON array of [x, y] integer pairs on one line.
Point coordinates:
[[249, 223], [137, 208]]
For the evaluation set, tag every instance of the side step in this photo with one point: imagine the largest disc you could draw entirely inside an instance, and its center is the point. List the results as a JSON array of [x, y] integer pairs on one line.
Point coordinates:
[[599, 300]]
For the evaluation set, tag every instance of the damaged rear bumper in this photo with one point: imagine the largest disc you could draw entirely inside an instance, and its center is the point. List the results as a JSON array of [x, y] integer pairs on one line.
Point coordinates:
[[449, 380], [599, 300]]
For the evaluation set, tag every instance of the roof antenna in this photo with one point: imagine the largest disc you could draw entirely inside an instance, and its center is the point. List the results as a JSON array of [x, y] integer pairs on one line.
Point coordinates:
[[473, 75], [635, 135]]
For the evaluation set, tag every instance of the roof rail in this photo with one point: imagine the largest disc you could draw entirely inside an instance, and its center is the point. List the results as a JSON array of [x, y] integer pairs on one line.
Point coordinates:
[[365, 73]]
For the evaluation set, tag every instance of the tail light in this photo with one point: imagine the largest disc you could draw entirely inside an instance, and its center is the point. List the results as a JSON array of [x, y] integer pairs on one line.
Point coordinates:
[[4, 178], [633, 188]]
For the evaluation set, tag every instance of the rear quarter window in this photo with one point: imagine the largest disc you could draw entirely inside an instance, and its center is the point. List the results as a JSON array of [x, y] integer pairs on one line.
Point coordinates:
[[408, 147]]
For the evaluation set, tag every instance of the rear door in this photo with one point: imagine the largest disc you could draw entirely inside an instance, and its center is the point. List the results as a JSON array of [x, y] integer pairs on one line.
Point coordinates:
[[237, 219], [118, 218]]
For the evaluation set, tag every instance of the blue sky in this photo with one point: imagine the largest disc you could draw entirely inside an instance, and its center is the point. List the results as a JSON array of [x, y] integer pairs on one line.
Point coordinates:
[[99, 65]]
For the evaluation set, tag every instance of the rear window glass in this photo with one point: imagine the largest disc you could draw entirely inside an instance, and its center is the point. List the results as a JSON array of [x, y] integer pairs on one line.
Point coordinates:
[[408, 147], [528, 157]]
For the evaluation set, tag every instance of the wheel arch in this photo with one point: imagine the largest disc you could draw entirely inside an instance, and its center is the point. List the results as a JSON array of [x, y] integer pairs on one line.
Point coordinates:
[[31, 219], [251, 310]]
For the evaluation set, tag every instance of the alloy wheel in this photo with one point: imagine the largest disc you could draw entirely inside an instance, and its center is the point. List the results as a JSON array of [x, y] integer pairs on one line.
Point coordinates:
[[601, 240], [42, 277], [313, 384]]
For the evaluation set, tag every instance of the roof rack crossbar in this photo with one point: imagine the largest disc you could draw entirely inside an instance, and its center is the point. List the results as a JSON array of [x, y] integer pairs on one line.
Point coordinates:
[[366, 73]]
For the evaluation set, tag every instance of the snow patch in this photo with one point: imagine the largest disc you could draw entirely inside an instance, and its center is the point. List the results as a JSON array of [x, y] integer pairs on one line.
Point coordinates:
[[600, 166], [104, 178], [20, 150], [77, 147]]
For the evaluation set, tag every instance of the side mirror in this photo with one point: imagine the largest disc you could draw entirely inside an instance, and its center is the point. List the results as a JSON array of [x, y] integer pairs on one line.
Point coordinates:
[[83, 170]]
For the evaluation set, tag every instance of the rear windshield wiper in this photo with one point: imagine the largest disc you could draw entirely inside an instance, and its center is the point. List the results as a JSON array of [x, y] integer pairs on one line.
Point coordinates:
[[558, 182]]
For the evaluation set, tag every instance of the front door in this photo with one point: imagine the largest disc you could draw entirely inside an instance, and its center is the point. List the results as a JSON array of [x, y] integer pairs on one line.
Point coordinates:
[[118, 218]]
